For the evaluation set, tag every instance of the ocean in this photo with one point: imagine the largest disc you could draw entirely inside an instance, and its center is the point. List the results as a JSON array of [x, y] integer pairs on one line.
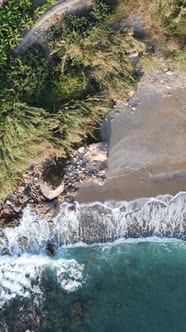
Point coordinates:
[[121, 284]]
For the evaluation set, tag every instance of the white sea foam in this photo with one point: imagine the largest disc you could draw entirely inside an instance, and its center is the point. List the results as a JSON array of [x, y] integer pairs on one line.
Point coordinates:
[[163, 216], [22, 276], [152, 219]]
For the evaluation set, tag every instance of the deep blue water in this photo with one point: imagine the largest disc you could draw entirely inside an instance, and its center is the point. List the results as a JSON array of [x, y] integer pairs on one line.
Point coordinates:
[[122, 287]]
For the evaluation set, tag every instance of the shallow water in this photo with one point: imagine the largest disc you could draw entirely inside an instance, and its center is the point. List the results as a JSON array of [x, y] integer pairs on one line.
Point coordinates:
[[129, 286]]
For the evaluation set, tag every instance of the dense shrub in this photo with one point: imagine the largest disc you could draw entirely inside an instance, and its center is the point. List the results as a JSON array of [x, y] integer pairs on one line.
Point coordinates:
[[171, 15], [16, 16], [26, 76]]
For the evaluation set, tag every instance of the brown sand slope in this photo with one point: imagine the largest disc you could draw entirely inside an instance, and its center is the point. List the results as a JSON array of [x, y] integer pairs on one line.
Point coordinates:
[[147, 154]]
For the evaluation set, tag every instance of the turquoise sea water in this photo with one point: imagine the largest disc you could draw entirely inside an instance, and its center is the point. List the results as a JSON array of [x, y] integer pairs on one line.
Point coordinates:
[[134, 286]]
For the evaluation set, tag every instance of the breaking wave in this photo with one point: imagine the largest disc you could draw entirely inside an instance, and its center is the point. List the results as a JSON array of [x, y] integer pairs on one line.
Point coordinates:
[[23, 261], [163, 216]]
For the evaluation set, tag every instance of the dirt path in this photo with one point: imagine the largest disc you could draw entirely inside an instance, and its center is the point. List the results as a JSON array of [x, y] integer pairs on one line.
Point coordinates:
[[37, 33]]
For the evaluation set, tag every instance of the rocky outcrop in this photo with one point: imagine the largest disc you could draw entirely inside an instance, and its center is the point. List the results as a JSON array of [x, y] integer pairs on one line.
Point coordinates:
[[46, 184]]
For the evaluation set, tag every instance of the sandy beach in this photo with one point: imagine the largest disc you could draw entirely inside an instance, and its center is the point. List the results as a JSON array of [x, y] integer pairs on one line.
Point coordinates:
[[147, 154]]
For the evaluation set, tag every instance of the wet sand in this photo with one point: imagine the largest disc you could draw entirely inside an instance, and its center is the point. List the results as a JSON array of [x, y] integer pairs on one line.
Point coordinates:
[[147, 152]]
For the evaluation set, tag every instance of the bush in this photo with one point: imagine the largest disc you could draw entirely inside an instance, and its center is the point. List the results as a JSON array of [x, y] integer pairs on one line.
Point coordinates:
[[68, 86], [103, 56], [26, 76], [16, 16], [22, 132], [171, 15]]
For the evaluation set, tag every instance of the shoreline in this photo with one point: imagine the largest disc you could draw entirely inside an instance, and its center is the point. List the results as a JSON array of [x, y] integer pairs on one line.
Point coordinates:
[[127, 188], [147, 155], [144, 156]]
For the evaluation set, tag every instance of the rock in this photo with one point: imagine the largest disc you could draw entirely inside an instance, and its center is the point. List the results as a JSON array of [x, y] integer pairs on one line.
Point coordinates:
[[8, 202], [21, 189], [17, 207], [133, 109], [170, 73], [69, 198], [49, 250], [131, 93], [3, 238], [22, 241], [49, 192], [133, 57], [103, 165], [165, 69], [7, 209], [81, 149], [72, 207], [92, 171], [4, 251], [96, 152]]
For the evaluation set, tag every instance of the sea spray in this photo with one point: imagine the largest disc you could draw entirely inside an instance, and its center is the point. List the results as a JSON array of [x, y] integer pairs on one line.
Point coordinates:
[[164, 216], [23, 276], [98, 246]]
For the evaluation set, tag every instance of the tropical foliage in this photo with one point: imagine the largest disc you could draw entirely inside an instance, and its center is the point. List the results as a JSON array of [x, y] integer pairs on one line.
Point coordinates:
[[170, 13], [16, 16], [51, 100]]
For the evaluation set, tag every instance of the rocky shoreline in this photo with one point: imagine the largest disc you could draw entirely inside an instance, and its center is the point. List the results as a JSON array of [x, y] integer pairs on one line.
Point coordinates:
[[47, 184]]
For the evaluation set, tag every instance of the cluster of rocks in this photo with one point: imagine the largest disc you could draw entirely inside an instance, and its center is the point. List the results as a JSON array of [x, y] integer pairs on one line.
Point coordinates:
[[45, 185], [162, 81], [87, 164]]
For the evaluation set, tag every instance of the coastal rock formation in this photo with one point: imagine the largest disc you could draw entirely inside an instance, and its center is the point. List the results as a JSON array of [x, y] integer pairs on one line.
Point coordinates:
[[52, 180]]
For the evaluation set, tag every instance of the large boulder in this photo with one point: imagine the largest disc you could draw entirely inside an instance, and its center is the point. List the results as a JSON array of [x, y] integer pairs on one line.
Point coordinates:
[[49, 192]]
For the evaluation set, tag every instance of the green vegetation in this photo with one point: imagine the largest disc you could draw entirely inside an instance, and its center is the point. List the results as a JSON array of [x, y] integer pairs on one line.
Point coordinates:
[[17, 16], [170, 14], [51, 100], [49, 103]]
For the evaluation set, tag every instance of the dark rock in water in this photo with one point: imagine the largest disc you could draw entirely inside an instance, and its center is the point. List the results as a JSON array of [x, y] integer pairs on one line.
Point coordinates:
[[3, 238], [4, 251], [76, 313], [69, 198], [49, 250], [22, 241], [50, 222], [72, 207]]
